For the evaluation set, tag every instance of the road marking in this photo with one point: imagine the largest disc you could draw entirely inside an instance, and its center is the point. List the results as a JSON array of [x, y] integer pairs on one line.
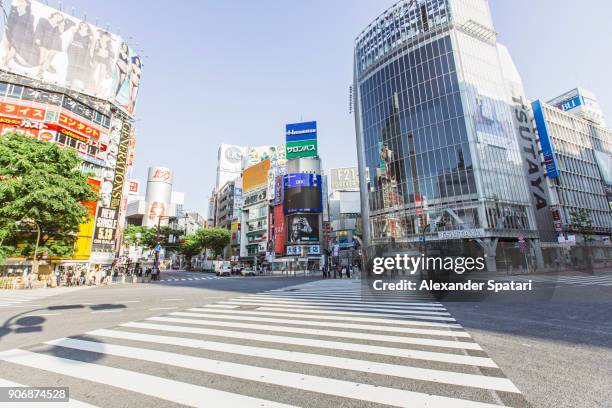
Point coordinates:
[[433, 310], [45, 314], [171, 300], [300, 322], [305, 312], [108, 311], [448, 377], [326, 333], [361, 348], [170, 390], [163, 308], [333, 309], [128, 301], [324, 316], [330, 386], [427, 305]]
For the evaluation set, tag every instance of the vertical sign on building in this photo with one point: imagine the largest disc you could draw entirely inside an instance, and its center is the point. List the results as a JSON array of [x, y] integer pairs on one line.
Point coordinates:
[[550, 161]]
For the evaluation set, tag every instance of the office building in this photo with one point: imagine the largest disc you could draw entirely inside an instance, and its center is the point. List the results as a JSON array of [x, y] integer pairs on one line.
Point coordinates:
[[437, 150]]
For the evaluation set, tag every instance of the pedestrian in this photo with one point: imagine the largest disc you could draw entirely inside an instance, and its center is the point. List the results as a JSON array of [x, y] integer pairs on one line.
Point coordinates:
[[348, 271], [58, 278], [82, 279]]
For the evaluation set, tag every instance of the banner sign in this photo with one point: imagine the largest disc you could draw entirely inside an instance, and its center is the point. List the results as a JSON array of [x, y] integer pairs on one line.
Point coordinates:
[[120, 169], [78, 126], [46, 44], [300, 131], [22, 111], [302, 148], [105, 230], [550, 160]]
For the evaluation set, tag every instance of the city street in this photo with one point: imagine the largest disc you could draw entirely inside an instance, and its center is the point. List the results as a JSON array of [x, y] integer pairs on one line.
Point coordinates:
[[239, 342]]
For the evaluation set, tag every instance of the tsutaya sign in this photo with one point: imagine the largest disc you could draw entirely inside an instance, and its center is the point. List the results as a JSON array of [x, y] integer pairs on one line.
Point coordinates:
[[535, 172]]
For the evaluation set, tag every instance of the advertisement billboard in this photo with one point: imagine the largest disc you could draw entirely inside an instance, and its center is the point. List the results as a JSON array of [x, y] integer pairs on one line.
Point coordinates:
[[255, 176], [133, 187], [231, 157], [300, 131], [550, 160], [158, 195], [346, 178], [302, 148], [294, 180], [41, 42], [82, 248], [105, 232], [303, 199], [259, 154], [302, 228]]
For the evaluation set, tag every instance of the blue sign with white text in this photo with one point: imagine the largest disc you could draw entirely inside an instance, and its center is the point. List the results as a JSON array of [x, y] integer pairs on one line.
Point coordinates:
[[294, 180], [570, 103], [301, 131], [550, 160]]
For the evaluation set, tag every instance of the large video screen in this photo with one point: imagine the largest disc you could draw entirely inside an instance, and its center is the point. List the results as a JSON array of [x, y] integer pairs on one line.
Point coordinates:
[[43, 43], [303, 228], [302, 199]]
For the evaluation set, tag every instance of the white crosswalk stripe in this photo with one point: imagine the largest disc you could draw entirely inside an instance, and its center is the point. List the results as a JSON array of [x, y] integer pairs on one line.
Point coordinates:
[[585, 280], [274, 350], [24, 297]]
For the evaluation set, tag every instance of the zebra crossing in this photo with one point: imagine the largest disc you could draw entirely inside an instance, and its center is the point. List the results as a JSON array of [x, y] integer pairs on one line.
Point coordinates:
[[28, 298], [584, 280], [190, 279], [319, 344]]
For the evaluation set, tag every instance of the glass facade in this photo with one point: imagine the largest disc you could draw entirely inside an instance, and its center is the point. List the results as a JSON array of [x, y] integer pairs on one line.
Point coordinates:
[[434, 124]]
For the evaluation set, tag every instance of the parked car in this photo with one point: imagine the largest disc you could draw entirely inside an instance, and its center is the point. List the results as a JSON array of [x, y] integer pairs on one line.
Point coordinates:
[[248, 271]]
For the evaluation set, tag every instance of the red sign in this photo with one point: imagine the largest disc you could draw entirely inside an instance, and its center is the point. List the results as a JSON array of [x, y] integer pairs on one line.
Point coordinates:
[[280, 235], [22, 111], [78, 126], [161, 174], [134, 186], [68, 132]]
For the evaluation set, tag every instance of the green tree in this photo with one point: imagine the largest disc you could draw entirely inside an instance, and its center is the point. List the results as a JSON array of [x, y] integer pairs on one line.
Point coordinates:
[[191, 246], [40, 184], [214, 239], [149, 236], [582, 223]]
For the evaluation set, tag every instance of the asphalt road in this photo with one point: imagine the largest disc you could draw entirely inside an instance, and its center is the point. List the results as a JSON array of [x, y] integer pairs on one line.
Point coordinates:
[[247, 342]]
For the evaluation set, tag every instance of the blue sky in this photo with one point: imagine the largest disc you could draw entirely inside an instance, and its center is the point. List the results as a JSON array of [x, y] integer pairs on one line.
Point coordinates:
[[235, 71]]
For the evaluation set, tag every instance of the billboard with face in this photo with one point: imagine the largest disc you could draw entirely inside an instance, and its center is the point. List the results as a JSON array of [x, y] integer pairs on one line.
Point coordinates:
[[303, 228], [43, 43]]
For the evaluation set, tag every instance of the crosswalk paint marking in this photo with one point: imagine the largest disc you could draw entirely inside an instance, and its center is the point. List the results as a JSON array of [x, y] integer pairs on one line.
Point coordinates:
[[330, 386], [324, 316], [332, 309], [325, 333], [362, 348], [413, 309], [170, 390], [430, 305], [301, 322], [304, 312], [448, 377]]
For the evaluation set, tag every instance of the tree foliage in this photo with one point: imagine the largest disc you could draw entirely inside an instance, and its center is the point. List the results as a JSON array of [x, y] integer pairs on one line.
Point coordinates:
[[215, 239], [149, 237], [40, 184]]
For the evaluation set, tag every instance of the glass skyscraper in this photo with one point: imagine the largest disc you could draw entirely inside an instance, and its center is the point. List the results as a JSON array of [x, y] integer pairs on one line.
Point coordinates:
[[437, 149]]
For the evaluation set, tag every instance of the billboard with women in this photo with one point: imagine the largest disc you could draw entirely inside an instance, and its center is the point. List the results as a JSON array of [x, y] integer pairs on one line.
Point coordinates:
[[46, 44]]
